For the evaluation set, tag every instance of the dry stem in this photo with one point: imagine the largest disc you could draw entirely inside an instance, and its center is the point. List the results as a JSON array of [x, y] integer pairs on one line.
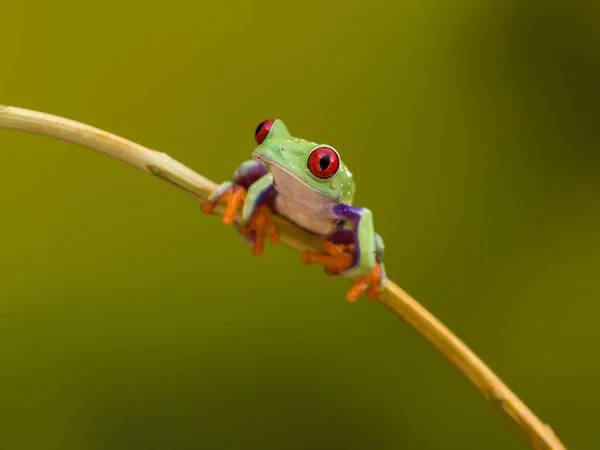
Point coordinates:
[[537, 434]]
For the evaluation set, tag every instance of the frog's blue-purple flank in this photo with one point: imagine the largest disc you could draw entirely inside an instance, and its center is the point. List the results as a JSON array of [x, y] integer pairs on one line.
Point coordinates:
[[308, 184]]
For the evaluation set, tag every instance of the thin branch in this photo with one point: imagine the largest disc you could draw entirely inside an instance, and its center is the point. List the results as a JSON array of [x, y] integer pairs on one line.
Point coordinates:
[[161, 165]]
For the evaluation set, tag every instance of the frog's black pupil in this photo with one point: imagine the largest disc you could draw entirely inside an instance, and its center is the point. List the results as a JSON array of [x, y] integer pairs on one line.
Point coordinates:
[[258, 128], [324, 162]]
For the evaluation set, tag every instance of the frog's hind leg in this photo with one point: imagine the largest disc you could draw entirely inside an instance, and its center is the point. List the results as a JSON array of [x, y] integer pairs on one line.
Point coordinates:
[[354, 252], [346, 239]]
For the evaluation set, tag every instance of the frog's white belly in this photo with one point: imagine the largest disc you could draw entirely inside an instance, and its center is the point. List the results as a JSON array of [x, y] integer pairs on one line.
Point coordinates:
[[302, 205], [319, 222]]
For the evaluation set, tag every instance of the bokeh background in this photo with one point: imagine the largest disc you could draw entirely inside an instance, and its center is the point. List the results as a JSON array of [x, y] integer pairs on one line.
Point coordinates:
[[130, 320]]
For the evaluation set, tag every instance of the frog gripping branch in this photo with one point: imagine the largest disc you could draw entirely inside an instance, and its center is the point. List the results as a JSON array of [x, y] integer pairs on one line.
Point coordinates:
[[308, 184]]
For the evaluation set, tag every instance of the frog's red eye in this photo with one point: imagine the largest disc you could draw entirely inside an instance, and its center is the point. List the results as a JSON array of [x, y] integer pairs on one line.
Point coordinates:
[[323, 162], [262, 131]]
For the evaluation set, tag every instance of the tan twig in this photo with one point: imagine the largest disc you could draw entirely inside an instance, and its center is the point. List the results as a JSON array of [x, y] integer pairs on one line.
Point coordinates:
[[537, 434]]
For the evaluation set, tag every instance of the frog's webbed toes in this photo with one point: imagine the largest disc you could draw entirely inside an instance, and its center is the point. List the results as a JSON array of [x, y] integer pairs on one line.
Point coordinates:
[[261, 224], [371, 283], [336, 259], [233, 196]]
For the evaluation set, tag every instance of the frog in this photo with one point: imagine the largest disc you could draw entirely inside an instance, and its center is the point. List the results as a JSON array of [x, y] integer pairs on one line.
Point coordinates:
[[308, 184]]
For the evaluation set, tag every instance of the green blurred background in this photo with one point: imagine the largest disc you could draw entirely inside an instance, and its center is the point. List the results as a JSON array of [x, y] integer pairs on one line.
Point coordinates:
[[130, 320]]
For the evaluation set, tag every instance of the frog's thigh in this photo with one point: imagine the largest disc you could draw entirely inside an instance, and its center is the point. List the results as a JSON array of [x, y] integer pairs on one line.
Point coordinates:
[[343, 237], [346, 237], [361, 220]]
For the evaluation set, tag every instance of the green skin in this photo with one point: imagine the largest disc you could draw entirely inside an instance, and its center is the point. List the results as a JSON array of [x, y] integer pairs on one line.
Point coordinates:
[[279, 175]]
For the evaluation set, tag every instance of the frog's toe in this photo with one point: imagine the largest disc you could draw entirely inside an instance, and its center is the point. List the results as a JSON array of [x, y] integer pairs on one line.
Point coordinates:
[[261, 224], [372, 284], [233, 196], [249, 237], [337, 249], [337, 258]]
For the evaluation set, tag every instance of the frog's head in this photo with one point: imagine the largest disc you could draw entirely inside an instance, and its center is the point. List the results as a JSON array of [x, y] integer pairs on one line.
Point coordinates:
[[318, 166]]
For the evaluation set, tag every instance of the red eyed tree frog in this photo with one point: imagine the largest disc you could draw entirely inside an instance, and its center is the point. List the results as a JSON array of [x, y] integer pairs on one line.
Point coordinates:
[[308, 184]]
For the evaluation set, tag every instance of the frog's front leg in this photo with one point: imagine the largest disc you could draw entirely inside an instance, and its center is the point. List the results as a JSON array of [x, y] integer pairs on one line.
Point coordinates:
[[354, 253], [257, 218], [251, 186]]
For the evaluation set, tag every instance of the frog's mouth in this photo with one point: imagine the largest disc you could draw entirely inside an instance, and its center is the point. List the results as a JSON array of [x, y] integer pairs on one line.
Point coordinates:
[[261, 159]]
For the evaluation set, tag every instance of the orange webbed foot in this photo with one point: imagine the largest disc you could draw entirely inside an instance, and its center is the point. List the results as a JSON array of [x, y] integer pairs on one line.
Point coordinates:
[[261, 224], [339, 258], [234, 197], [371, 283]]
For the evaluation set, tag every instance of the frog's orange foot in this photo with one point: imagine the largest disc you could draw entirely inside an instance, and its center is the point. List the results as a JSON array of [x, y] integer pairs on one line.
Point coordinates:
[[339, 258], [234, 197], [371, 283], [261, 224]]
